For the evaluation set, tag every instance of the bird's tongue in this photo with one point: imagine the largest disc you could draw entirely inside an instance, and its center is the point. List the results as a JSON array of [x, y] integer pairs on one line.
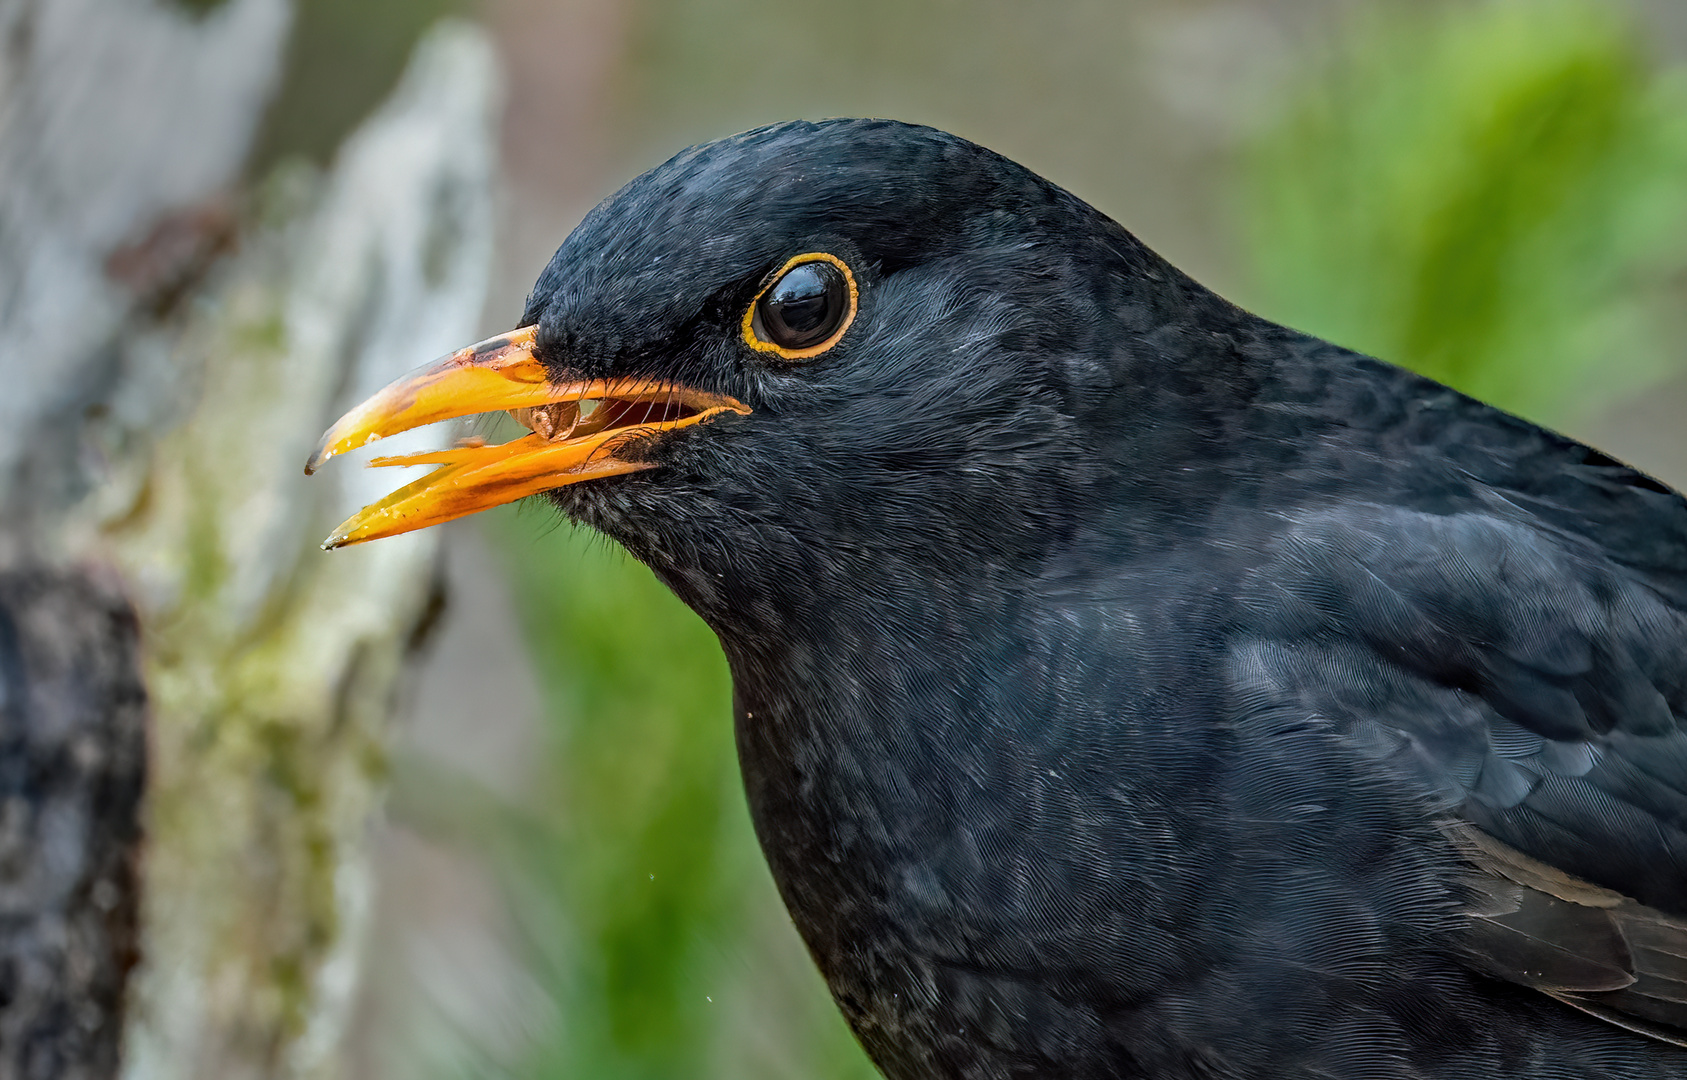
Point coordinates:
[[576, 427]]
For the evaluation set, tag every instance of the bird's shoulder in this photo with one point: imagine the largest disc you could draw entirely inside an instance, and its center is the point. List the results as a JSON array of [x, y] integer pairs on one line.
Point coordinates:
[[1360, 431]]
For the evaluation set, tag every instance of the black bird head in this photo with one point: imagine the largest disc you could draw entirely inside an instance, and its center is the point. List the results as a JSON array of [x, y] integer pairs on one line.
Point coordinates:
[[817, 347]]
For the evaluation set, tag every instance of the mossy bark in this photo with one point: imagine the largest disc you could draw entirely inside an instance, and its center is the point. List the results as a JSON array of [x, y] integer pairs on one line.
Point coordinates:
[[177, 345]]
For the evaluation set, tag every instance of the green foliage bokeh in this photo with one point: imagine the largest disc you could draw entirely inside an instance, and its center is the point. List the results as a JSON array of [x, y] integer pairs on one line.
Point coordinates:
[[1493, 194]]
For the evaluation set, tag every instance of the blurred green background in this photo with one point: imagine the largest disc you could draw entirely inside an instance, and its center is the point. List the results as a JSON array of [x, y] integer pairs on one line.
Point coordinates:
[[1494, 193]]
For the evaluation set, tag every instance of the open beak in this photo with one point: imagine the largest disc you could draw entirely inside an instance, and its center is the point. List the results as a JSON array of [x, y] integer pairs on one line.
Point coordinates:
[[577, 429]]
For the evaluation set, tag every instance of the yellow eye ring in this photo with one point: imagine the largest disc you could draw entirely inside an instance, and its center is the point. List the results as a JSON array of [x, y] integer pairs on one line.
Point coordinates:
[[756, 332]]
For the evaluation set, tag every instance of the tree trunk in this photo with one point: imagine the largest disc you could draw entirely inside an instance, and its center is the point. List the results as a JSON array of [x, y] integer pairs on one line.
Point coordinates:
[[171, 347]]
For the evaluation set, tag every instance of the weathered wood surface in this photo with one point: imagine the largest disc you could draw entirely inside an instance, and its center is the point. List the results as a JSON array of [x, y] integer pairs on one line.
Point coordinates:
[[113, 113], [171, 345]]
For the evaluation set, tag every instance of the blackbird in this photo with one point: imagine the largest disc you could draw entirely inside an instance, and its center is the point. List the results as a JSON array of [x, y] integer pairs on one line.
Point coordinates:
[[1125, 685]]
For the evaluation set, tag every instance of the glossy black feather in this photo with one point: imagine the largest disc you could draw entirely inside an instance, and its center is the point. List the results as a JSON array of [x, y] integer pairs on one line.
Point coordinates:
[[1128, 686]]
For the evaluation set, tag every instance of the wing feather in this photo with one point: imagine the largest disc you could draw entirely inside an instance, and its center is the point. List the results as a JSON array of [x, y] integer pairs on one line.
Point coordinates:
[[1534, 691]]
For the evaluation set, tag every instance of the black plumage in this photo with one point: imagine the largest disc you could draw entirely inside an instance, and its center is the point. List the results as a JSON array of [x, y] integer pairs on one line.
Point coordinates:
[[1127, 686]]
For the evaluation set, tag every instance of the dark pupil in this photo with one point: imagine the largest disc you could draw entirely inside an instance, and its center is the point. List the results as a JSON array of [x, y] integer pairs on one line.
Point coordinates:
[[804, 306]]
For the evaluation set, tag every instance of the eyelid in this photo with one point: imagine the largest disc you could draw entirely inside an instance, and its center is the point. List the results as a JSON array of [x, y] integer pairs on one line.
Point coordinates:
[[748, 329]]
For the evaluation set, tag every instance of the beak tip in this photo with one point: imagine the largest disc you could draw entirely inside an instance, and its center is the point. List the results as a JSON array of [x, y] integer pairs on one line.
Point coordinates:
[[324, 450]]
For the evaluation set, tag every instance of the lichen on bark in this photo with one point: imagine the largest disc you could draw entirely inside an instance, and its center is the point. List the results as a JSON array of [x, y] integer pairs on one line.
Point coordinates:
[[174, 345], [273, 665]]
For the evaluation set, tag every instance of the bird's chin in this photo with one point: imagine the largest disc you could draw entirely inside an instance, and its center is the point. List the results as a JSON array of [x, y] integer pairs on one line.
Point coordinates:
[[580, 430]]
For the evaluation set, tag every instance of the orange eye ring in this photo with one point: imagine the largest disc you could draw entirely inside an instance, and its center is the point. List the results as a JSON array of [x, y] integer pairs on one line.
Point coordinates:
[[755, 333]]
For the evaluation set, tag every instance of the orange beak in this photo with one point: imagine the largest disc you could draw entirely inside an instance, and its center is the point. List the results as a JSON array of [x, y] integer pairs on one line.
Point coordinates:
[[578, 430]]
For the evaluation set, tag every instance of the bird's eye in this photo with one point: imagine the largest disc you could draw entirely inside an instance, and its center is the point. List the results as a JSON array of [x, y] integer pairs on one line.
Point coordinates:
[[805, 310]]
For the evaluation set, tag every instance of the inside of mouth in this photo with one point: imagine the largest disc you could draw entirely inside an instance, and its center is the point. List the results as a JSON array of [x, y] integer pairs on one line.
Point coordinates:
[[562, 420]]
